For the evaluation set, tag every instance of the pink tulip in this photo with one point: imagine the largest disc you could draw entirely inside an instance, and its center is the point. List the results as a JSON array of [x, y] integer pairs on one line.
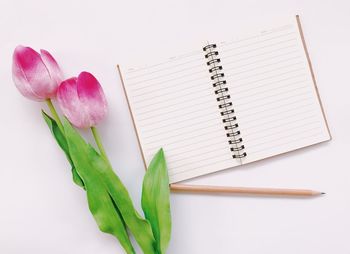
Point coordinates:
[[35, 75], [82, 100]]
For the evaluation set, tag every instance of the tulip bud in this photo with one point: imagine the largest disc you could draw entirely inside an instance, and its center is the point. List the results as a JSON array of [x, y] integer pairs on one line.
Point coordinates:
[[35, 75], [82, 100]]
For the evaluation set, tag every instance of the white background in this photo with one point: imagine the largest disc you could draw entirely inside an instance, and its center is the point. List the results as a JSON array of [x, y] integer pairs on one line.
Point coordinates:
[[42, 211]]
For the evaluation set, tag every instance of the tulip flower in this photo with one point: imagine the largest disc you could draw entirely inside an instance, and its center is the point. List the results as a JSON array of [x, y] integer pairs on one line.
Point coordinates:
[[35, 75], [82, 100]]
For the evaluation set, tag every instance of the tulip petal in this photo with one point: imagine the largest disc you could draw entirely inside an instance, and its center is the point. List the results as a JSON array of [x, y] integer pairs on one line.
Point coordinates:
[[52, 66], [19, 77], [30, 74], [70, 104], [21, 82], [92, 97]]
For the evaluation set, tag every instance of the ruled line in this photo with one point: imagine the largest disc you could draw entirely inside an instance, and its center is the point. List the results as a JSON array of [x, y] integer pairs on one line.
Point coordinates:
[[264, 115], [179, 134], [239, 60], [176, 91], [270, 89], [166, 75], [183, 151], [187, 138], [156, 132], [264, 47], [200, 153], [174, 171], [171, 85], [233, 83], [165, 102], [275, 101], [250, 135], [157, 125], [265, 65], [272, 127], [182, 142], [219, 158], [186, 131], [167, 82], [170, 67], [273, 95], [270, 123], [236, 90], [271, 141], [192, 153], [288, 143], [261, 112], [259, 35], [227, 49], [178, 152], [265, 72], [192, 53], [167, 113]]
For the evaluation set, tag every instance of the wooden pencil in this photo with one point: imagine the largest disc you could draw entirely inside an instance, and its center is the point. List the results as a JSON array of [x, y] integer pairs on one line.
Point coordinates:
[[243, 190]]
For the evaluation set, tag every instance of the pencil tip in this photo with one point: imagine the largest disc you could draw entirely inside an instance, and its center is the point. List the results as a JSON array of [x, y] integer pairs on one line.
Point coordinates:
[[322, 193]]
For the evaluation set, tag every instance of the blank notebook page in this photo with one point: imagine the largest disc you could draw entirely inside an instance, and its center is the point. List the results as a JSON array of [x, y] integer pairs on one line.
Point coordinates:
[[270, 86], [272, 91], [174, 107]]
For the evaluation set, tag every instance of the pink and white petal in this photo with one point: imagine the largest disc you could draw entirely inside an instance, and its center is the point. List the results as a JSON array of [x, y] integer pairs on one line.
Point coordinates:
[[22, 83], [92, 97], [52, 66], [35, 72], [19, 76], [70, 104]]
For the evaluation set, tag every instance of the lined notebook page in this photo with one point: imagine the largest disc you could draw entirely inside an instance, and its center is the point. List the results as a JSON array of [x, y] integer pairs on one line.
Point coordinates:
[[272, 92], [174, 107]]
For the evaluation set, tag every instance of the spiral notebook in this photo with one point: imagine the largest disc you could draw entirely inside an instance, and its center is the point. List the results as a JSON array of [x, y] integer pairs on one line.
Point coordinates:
[[227, 104]]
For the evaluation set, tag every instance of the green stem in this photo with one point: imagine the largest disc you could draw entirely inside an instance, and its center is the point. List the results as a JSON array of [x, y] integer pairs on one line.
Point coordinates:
[[54, 114], [99, 144]]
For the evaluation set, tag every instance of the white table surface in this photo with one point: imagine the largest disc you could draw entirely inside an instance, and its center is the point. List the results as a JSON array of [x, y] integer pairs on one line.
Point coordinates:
[[42, 211]]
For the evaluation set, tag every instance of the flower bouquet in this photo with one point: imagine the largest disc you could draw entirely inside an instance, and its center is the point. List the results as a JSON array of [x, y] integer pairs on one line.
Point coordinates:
[[83, 103]]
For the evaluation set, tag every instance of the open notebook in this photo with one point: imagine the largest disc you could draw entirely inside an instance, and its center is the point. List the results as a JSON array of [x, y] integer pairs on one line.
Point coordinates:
[[227, 104]]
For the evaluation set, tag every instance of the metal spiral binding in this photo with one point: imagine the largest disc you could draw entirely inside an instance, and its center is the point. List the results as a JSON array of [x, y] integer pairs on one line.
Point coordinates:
[[229, 119]]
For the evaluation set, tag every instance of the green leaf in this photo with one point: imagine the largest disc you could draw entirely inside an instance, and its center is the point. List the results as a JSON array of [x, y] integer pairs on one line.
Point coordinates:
[[105, 190], [61, 140], [155, 200]]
